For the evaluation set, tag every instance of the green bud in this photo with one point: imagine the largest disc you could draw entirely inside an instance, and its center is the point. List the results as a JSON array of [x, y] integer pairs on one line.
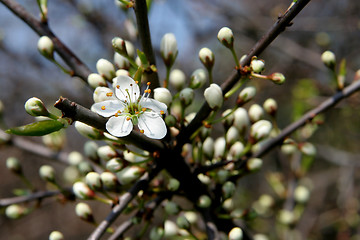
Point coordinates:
[[204, 201], [171, 208], [156, 233], [170, 120], [198, 78], [277, 78], [182, 222], [228, 189], [173, 184]]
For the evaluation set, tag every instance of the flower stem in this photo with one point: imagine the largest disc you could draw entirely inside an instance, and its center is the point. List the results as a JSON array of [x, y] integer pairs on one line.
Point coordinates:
[[237, 62]]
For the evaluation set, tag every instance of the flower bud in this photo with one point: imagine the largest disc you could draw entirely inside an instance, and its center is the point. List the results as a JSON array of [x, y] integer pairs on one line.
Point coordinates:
[[13, 164], [93, 180], [204, 201], [163, 95], [266, 201], [255, 112], [56, 235], [236, 234], [182, 222], [204, 178], [241, 119], [75, 158], [208, 148], [14, 211], [90, 151], [246, 95], [235, 151], [114, 165], [170, 229], [177, 79], [226, 37], [232, 135], [96, 80], [286, 217], [207, 58], [289, 147], [191, 217], [270, 106], [121, 62], [156, 233], [198, 78], [35, 107], [329, 59], [219, 147], [82, 191], [168, 49], [257, 66], [229, 120], [109, 180], [55, 140], [103, 94], [260, 130], [106, 153], [46, 47], [171, 208], [259, 236], [129, 174], [277, 78], [88, 131], [121, 72], [186, 96], [254, 164], [119, 45], [85, 167], [308, 149], [105, 68], [47, 173], [228, 204], [301, 194], [228, 189], [84, 211], [214, 96], [173, 184], [170, 120]]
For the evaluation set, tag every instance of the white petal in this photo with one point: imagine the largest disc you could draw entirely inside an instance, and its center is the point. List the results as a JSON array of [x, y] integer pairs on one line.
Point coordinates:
[[154, 105], [127, 89], [119, 126], [108, 108], [153, 125]]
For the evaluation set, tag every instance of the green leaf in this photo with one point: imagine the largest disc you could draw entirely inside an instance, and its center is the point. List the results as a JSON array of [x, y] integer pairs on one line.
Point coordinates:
[[37, 128]]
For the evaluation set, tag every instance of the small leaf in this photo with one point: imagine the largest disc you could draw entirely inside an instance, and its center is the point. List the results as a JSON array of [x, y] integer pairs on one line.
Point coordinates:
[[37, 128], [143, 59]]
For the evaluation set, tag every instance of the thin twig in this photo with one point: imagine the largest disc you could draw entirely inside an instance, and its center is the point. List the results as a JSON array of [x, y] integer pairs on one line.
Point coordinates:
[[42, 29]]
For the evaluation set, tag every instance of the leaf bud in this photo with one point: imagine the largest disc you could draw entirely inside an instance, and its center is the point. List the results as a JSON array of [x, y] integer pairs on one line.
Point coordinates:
[[13, 164], [93, 180], [226, 37], [96, 80], [177, 79], [129, 174], [82, 191], [168, 49], [47, 173], [84, 211], [204, 201], [228, 189], [219, 147], [114, 165], [236, 234], [171, 208], [246, 95], [182, 222], [75, 158], [254, 164], [198, 78], [56, 235], [173, 184], [208, 148], [46, 47], [241, 119], [213, 96], [270, 106], [103, 94], [35, 107], [207, 58], [105, 68], [256, 112], [257, 66], [329, 59], [106, 153], [121, 62], [187, 96], [163, 95], [301, 194], [88, 131], [109, 180], [14, 211], [277, 78]]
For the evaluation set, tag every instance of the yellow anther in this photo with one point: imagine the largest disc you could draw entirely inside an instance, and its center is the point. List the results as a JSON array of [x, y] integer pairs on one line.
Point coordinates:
[[119, 112], [141, 131], [143, 109], [137, 82], [117, 86], [128, 119], [102, 107], [162, 112], [149, 91], [136, 112], [109, 94], [148, 83], [116, 115]]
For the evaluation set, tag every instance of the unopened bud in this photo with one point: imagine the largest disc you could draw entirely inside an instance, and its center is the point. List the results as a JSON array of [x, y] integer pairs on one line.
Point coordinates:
[[109, 180], [277, 78], [47, 173], [257, 66], [168, 49], [90, 150], [246, 95], [84, 211], [289, 147], [213, 96], [226, 37], [208, 148], [171, 208], [301, 194], [46, 47], [170, 229], [256, 112], [235, 151], [122, 72], [121, 62], [219, 147], [329, 59], [114, 165], [13, 164], [105, 68], [260, 130], [204, 178], [177, 79], [85, 167], [106, 153], [232, 135], [56, 235], [96, 80], [93, 180], [182, 222], [286, 217], [119, 45], [102, 94], [14, 211], [241, 119], [82, 191], [129, 174], [198, 78], [75, 158], [236, 234], [207, 58], [260, 236], [156, 233], [173, 184], [35, 107], [55, 140], [204, 201], [254, 164], [308, 149], [228, 189], [88, 131], [270, 106], [229, 119], [163, 95], [186, 96], [170, 120]]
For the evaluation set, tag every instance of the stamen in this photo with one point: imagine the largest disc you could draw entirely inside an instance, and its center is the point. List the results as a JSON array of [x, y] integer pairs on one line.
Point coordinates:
[[137, 82], [117, 86], [137, 112], [162, 112], [142, 131], [102, 107], [128, 118], [119, 112], [109, 94], [148, 83], [143, 109]]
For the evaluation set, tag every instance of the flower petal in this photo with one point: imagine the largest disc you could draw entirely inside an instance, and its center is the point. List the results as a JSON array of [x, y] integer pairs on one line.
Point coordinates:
[[108, 108], [153, 125], [127, 89], [119, 126], [154, 105]]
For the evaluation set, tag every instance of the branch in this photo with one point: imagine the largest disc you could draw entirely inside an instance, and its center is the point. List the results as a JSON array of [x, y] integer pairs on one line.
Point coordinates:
[[42, 29]]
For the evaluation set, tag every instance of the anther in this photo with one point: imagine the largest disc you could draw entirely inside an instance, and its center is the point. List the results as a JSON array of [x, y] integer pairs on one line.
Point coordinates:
[[143, 109], [142, 131], [102, 107], [128, 119], [162, 112], [117, 86], [148, 83], [109, 94]]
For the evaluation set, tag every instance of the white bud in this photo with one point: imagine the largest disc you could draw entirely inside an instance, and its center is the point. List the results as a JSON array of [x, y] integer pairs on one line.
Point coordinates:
[[241, 119], [96, 80], [236, 234], [170, 229], [173, 184], [301, 194], [163, 95], [56, 235], [219, 147], [88, 131], [133, 158], [266, 201], [270, 106], [103, 94], [232, 135], [228, 204], [259, 236], [106, 152], [198, 78], [191, 217], [189, 118], [129, 174], [207, 58], [85, 167], [168, 49], [35, 107], [171, 208], [186, 96], [308, 149], [277, 78], [14, 211], [109, 180], [47, 173], [93, 180], [177, 79], [114, 165], [121, 62], [90, 150], [75, 158], [46, 47], [226, 37], [257, 66], [228, 189], [71, 174], [105, 69], [13, 164], [256, 112], [286, 217], [208, 147], [329, 59], [82, 191], [254, 164], [204, 178], [119, 45], [235, 151], [246, 95], [204, 201], [228, 121], [260, 130], [83, 211], [121, 72], [214, 96]]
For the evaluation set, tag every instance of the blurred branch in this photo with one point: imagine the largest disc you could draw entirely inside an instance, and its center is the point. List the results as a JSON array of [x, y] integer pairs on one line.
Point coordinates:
[[42, 29]]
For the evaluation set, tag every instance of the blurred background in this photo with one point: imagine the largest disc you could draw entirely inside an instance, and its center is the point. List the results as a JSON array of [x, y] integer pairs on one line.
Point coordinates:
[[87, 27]]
